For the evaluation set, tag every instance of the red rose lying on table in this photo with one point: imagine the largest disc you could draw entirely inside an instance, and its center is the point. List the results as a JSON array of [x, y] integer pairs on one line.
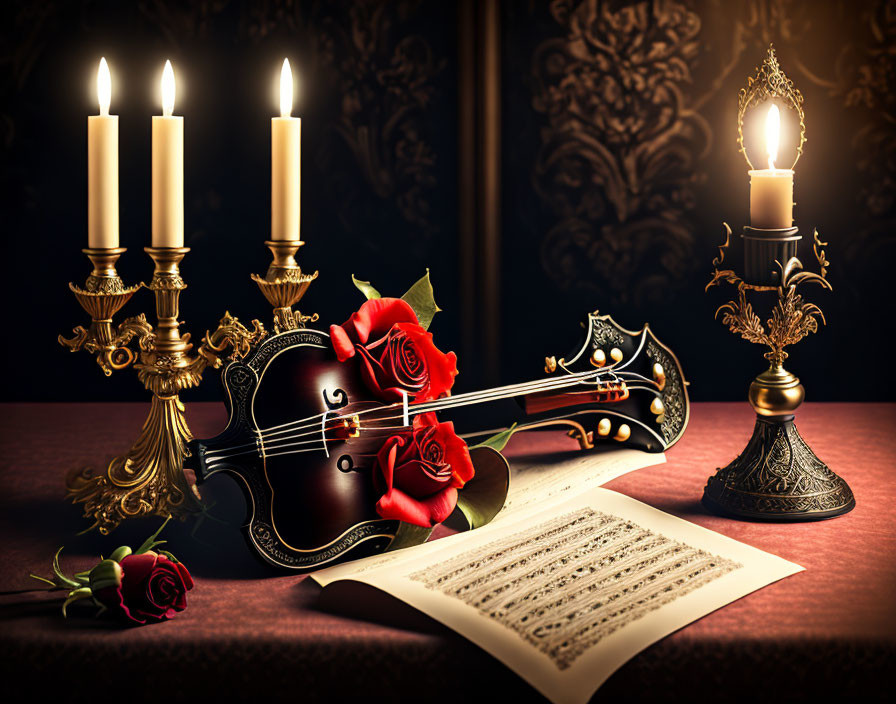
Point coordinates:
[[419, 472], [396, 354], [133, 587], [141, 588]]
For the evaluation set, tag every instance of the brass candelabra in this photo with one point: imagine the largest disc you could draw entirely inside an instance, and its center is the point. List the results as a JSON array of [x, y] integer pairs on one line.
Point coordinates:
[[777, 476], [149, 478]]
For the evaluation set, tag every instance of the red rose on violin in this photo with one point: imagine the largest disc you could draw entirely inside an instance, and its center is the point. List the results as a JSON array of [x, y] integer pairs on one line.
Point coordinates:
[[420, 471], [396, 354]]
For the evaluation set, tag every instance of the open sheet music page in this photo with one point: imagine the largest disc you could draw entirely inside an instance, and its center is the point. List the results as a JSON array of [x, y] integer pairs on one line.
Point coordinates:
[[567, 590]]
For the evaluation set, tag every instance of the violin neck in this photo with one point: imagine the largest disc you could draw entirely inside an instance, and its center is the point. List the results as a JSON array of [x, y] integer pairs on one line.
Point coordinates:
[[528, 391]]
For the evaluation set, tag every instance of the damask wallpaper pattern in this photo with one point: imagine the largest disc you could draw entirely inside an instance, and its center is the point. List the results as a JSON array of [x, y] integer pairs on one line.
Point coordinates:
[[618, 163]]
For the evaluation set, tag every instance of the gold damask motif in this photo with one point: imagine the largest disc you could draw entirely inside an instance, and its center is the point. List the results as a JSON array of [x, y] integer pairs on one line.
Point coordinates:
[[621, 146]]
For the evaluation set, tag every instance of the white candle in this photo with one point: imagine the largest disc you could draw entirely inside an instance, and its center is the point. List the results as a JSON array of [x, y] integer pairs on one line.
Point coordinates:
[[771, 189], [102, 168], [167, 170], [286, 150]]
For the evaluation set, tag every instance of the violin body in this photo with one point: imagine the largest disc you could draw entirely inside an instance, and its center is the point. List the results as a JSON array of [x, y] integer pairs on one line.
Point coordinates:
[[295, 445]]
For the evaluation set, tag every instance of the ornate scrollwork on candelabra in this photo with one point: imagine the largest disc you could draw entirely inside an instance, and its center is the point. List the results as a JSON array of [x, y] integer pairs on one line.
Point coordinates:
[[777, 476], [149, 478], [792, 318], [284, 284]]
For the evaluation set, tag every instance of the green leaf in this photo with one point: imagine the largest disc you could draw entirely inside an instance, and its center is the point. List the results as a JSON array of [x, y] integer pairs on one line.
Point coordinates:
[[76, 595], [499, 440], [365, 288], [420, 297], [484, 495], [168, 555], [120, 553], [151, 541], [58, 572], [44, 579], [106, 574]]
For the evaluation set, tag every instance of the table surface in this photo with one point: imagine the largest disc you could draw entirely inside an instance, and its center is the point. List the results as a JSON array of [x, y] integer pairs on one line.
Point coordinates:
[[249, 632]]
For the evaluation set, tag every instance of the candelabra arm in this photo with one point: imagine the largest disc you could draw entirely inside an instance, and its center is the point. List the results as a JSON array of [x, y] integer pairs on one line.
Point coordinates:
[[102, 297], [232, 334]]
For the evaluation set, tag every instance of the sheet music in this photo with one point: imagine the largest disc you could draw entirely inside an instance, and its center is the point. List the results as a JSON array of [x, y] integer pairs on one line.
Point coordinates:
[[565, 591]]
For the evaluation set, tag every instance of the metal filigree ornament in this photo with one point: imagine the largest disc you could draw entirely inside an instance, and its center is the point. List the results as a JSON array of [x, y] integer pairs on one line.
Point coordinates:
[[149, 478], [284, 284], [777, 476], [769, 83]]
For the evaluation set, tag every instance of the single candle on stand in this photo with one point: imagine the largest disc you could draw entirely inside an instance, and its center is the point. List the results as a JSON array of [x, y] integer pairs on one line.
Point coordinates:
[[771, 189], [102, 168], [286, 146], [167, 169]]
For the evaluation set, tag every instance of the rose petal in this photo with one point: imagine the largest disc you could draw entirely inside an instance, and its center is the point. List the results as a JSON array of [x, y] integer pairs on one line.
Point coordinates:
[[343, 345], [457, 454], [397, 505], [420, 479], [376, 317]]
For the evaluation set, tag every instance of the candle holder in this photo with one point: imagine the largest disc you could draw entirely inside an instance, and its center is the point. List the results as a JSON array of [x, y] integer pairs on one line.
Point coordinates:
[[284, 284], [777, 476], [149, 478]]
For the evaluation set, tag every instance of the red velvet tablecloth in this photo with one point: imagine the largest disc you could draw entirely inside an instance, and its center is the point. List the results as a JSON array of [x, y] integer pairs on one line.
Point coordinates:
[[248, 633]]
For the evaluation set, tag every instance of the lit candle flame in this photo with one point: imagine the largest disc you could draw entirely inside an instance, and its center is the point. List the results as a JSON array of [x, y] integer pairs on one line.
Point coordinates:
[[285, 89], [772, 134], [168, 90], [104, 87]]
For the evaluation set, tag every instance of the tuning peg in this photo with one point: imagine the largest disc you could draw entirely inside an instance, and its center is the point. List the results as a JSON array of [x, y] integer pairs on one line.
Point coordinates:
[[598, 358], [659, 375], [616, 355], [656, 406], [603, 428], [550, 365], [623, 433]]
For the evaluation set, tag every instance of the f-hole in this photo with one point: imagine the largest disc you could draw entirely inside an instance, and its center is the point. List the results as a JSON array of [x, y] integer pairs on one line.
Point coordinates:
[[340, 399], [345, 464]]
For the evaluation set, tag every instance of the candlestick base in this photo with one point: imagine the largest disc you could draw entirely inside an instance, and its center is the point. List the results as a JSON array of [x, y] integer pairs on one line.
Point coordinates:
[[148, 480], [777, 477], [284, 284]]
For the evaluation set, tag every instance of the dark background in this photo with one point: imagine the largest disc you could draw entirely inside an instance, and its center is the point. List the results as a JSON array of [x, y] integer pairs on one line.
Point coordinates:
[[543, 159]]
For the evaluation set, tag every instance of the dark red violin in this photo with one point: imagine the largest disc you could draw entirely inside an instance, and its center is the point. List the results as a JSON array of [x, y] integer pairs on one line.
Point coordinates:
[[304, 430]]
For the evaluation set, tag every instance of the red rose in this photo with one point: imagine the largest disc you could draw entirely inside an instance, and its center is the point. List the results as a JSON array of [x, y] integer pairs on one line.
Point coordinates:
[[420, 471], [145, 588], [395, 352]]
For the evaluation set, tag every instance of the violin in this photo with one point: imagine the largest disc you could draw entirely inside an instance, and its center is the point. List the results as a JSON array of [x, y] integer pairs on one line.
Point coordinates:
[[303, 431]]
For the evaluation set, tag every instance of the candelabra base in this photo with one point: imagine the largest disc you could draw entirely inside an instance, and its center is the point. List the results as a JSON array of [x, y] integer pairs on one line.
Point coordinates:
[[148, 480], [777, 478]]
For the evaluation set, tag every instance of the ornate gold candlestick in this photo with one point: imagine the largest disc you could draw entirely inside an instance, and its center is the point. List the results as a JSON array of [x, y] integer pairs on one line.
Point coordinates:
[[284, 285], [777, 476], [149, 478]]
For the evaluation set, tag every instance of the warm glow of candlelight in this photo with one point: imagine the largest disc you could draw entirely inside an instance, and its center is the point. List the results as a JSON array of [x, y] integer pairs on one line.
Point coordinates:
[[285, 89], [104, 87], [772, 134], [168, 90]]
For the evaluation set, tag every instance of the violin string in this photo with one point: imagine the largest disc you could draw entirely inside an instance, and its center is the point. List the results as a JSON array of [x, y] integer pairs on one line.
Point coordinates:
[[501, 392], [466, 399], [311, 424]]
